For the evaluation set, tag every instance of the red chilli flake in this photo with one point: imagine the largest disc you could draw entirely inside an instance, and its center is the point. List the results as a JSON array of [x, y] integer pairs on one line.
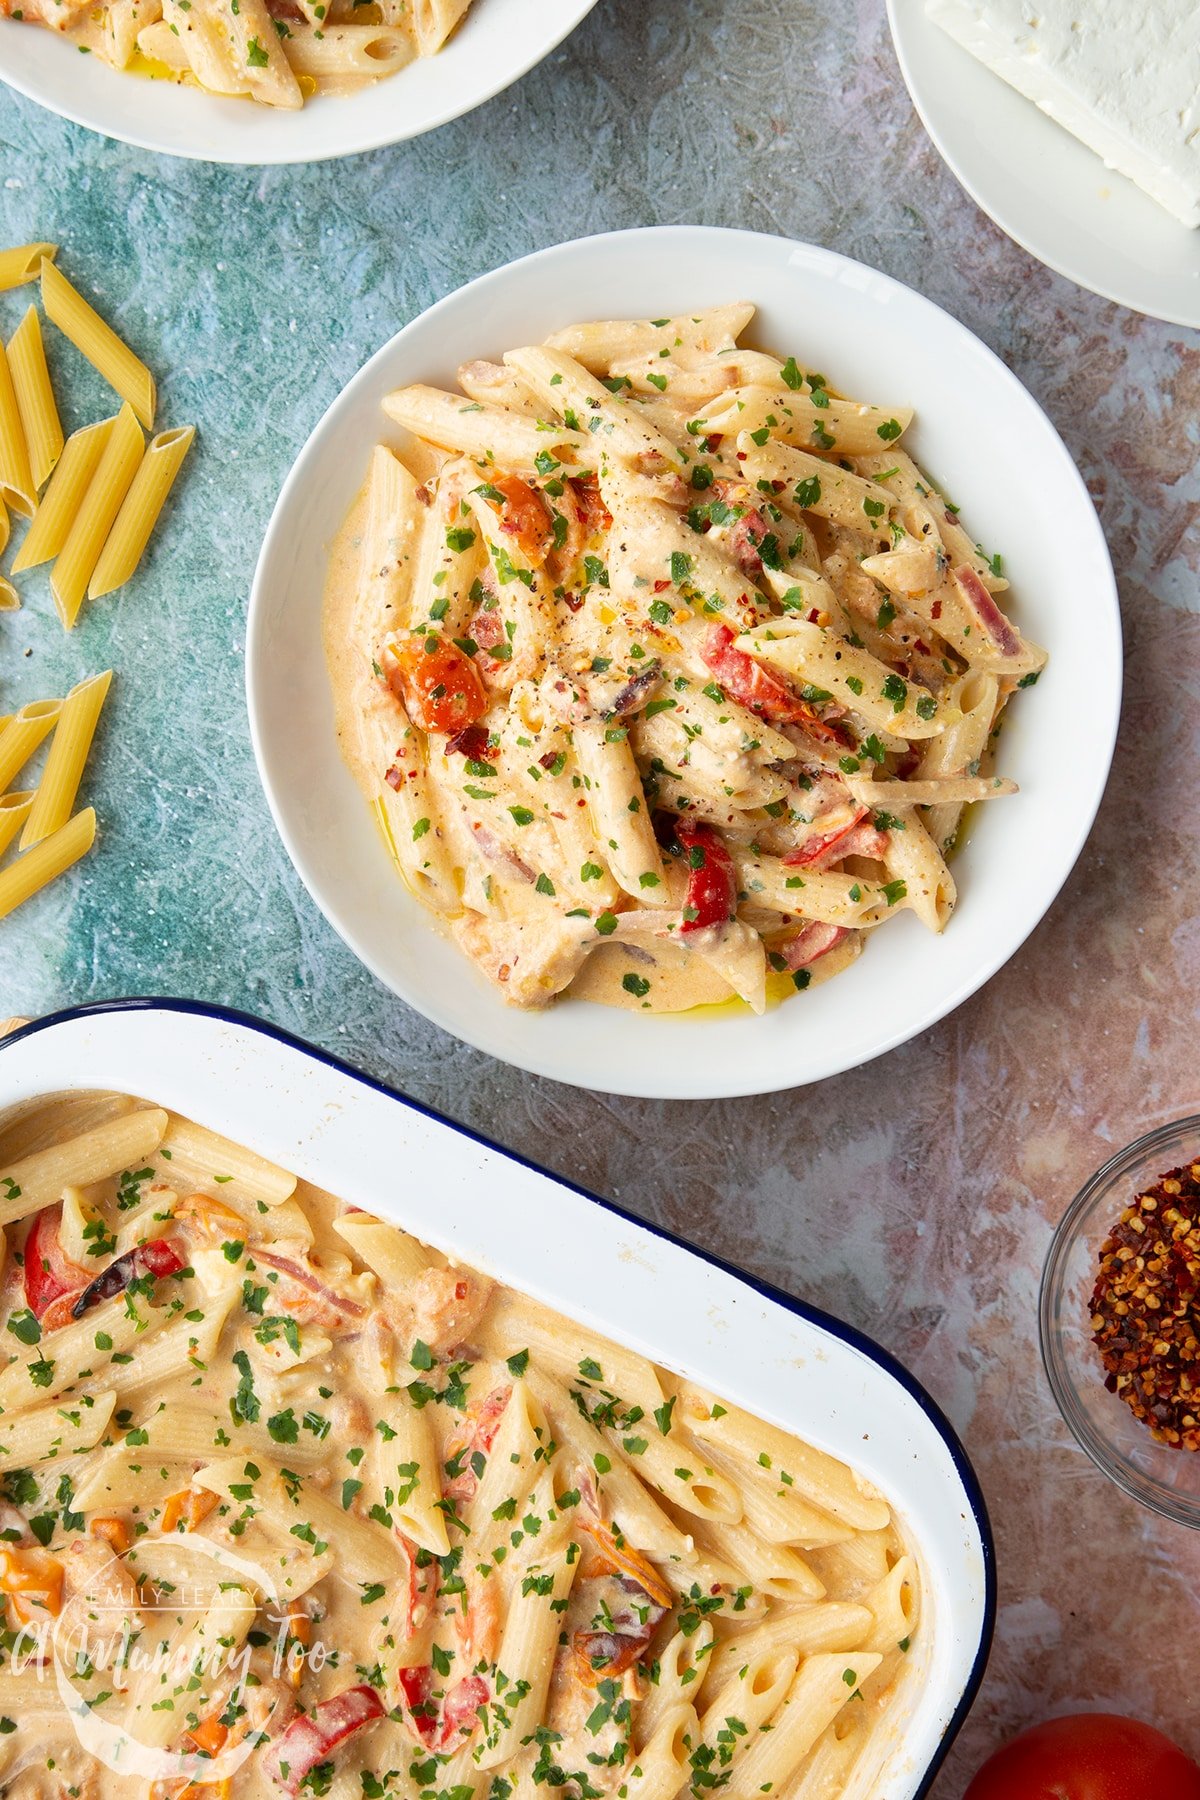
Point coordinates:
[[1146, 1308]]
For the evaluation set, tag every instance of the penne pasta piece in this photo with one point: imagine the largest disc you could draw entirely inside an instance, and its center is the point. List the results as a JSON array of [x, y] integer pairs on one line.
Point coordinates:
[[660, 1771], [918, 877], [63, 497], [35, 398], [36, 868], [22, 734], [677, 1675], [24, 264], [395, 1257], [204, 1158], [600, 344], [487, 433], [822, 658], [122, 22], [140, 510], [369, 51], [620, 813], [14, 810], [98, 342], [73, 732], [827, 1625], [10, 600], [38, 1179], [5, 527], [514, 1322], [391, 541], [822, 1687], [95, 1348], [191, 40], [433, 22], [115, 472], [46, 1434], [526, 1654], [367, 1551], [813, 1474], [809, 421], [16, 477], [587, 406]]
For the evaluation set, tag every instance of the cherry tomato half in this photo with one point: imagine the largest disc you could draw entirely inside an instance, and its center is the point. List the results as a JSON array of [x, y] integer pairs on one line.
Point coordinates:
[[1088, 1756], [439, 685]]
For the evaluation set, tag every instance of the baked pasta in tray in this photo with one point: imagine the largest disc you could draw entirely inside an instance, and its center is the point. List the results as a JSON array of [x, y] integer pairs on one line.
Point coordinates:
[[668, 672], [277, 52], [294, 1506]]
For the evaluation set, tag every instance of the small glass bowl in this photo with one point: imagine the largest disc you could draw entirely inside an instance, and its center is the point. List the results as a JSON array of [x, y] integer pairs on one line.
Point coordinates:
[[1165, 1479]]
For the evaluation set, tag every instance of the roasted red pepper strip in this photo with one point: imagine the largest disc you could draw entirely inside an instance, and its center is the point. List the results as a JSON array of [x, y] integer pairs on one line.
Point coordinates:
[[814, 848], [747, 681], [711, 897], [157, 1258], [48, 1273], [416, 1685], [309, 1738]]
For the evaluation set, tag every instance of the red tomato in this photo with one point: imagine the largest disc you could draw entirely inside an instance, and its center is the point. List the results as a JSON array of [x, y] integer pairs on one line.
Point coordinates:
[[523, 517], [1089, 1756], [49, 1275], [711, 897], [439, 686]]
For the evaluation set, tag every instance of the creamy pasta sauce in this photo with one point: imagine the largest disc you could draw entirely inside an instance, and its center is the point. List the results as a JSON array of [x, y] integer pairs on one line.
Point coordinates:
[[667, 673], [294, 1503]]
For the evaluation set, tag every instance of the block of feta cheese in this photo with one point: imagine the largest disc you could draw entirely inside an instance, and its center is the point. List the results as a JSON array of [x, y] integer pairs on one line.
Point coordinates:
[[1121, 75]]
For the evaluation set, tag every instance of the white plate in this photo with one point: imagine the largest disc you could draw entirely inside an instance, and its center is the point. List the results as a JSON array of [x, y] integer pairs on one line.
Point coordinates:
[[499, 41], [1020, 493], [779, 1358], [1041, 185]]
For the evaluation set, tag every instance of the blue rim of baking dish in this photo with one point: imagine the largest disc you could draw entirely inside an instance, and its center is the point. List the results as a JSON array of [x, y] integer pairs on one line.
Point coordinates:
[[813, 1315]]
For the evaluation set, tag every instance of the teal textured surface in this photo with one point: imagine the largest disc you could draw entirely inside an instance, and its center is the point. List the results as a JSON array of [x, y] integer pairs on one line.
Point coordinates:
[[254, 296]]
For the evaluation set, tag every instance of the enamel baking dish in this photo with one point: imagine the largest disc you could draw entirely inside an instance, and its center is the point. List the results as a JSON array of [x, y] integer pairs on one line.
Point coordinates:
[[771, 1354]]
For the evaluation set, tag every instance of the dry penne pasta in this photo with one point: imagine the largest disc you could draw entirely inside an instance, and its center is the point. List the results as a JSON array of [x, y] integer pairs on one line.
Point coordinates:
[[74, 729], [36, 868], [76, 561], [63, 497], [140, 509], [35, 398], [22, 733], [14, 810], [24, 263], [16, 477], [98, 342]]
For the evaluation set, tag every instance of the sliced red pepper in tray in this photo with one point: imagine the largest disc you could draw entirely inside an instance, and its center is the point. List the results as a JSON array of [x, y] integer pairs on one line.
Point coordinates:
[[310, 1737], [711, 897], [49, 1273], [157, 1258]]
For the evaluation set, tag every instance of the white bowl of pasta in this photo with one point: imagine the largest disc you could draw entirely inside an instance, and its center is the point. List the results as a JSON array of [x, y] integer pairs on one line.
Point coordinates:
[[276, 81], [291, 1383], [666, 675]]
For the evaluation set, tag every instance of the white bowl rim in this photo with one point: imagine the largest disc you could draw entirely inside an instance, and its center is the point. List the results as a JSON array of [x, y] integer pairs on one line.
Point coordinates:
[[730, 1085], [813, 1316], [406, 126]]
